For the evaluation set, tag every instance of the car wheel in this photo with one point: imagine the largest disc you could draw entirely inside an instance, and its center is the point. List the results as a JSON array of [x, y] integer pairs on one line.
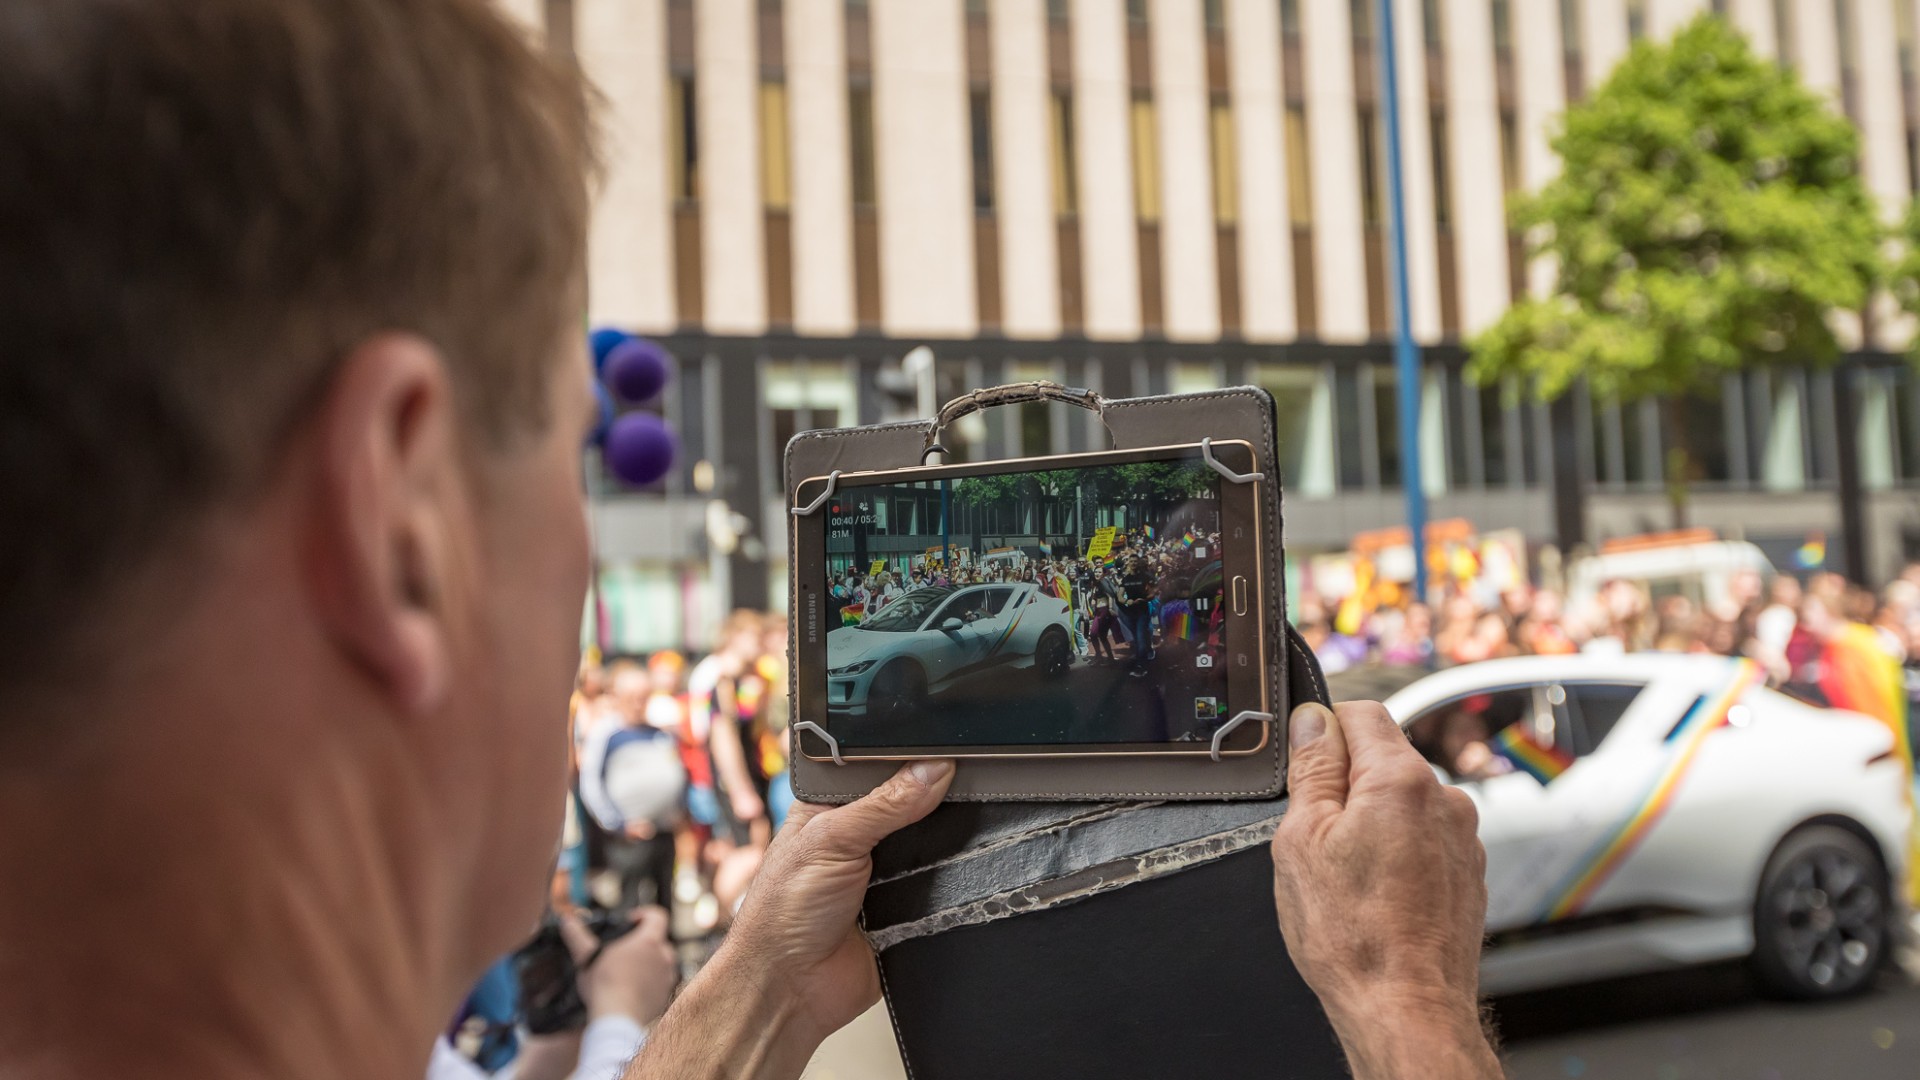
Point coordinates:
[[1820, 921], [1054, 654], [898, 691]]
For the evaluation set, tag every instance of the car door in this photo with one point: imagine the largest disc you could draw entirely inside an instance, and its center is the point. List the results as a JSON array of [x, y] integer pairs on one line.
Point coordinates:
[[1545, 794], [965, 629], [1556, 858]]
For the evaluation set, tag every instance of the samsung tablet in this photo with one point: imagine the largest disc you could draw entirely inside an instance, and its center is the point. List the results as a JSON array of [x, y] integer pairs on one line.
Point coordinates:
[[1084, 604]]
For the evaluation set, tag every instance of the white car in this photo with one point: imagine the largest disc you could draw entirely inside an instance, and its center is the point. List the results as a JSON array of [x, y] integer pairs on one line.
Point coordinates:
[[928, 640], [1650, 811]]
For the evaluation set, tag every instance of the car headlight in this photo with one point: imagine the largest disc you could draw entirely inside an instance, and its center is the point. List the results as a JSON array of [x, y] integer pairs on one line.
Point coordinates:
[[851, 669]]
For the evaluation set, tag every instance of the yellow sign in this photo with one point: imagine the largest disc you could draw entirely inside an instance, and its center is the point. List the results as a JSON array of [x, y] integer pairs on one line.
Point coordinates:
[[879, 567], [1102, 543]]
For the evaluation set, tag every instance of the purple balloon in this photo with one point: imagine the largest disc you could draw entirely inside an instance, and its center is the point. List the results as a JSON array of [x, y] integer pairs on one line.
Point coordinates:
[[637, 369], [640, 448]]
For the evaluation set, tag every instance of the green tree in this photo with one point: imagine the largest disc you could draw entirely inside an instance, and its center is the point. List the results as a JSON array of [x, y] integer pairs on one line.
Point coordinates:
[[1708, 217]]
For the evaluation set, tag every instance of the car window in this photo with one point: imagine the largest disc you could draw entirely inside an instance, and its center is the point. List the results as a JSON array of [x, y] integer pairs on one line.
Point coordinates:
[[969, 606], [1468, 736], [906, 613], [1587, 712], [996, 600]]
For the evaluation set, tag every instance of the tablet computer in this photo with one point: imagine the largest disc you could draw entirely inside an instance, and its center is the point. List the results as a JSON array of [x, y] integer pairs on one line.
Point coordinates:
[[1084, 604]]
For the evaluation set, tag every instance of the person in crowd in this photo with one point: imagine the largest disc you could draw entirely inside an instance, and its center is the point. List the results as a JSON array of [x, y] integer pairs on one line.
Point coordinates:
[[1136, 613], [632, 782], [625, 987]]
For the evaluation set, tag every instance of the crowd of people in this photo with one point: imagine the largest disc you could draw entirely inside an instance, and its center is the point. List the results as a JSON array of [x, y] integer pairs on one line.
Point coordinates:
[[680, 775], [1146, 590], [1785, 624]]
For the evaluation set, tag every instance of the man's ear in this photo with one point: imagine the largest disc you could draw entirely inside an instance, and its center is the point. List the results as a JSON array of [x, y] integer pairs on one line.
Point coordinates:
[[388, 508]]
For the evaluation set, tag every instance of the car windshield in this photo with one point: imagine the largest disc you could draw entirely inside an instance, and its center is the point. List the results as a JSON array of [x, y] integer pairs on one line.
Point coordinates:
[[908, 612]]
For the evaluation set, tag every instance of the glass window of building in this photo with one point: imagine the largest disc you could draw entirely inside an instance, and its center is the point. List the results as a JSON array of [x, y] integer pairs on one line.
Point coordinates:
[[1146, 160], [1903, 35], [1879, 461], [1386, 423], [860, 142], [1463, 455], [1303, 414], [1776, 404], [1361, 14], [1290, 18], [1432, 30], [1299, 177], [980, 111], [1843, 26], [1442, 189], [683, 138], [1193, 377], [1636, 19], [1035, 435], [1215, 14], [775, 165], [1372, 182], [1571, 38], [1066, 178], [1226, 181], [1503, 24], [1354, 428], [1509, 152], [1057, 10], [1705, 436], [803, 395], [1496, 402]]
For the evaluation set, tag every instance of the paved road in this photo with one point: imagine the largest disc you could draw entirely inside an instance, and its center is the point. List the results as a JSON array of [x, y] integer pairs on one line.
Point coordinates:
[[1703, 1025], [1707, 1025], [1092, 701]]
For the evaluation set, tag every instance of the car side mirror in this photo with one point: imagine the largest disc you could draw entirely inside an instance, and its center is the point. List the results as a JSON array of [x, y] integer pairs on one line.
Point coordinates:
[[953, 623]]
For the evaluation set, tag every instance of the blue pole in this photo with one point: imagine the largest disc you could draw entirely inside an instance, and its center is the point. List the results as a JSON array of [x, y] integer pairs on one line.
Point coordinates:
[[1406, 360]]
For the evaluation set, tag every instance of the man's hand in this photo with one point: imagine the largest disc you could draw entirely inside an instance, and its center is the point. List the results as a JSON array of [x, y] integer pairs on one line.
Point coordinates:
[[795, 967], [633, 976], [1380, 882]]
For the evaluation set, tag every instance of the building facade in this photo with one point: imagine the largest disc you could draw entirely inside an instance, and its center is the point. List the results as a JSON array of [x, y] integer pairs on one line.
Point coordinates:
[[1143, 196]]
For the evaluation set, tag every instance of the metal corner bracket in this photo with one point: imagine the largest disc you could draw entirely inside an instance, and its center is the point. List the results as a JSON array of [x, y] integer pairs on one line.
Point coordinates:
[[833, 482], [1227, 728], [1206, 451], [833, 744]]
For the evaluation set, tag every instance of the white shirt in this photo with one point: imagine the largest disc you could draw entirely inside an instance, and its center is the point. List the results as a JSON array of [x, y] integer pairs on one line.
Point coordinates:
[[605, 1048]]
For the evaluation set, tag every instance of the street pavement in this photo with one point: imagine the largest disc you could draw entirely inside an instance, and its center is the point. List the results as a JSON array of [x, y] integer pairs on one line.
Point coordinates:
[[1707, 1024], [1696, 1025]]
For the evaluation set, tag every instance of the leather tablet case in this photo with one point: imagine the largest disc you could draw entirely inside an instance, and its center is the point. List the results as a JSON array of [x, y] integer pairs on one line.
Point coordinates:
[[1244, 413]]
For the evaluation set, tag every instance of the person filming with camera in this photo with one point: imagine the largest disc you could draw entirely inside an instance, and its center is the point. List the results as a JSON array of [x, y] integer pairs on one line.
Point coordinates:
[[291, 356]]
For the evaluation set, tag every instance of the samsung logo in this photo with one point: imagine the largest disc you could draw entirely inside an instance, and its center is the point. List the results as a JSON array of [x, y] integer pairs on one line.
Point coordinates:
[[813, 617]]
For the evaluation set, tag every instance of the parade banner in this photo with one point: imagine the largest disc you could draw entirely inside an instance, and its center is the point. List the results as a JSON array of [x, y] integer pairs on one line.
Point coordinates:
[[1102, 543]]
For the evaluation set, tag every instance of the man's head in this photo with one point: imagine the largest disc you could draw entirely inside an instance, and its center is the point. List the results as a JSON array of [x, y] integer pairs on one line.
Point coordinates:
[[290, 298], [632, 686]]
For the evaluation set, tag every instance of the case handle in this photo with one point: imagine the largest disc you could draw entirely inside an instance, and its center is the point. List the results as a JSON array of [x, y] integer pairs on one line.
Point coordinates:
[[1009, 394]]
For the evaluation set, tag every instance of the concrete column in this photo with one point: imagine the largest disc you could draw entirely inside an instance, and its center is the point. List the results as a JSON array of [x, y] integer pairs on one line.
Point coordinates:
[[1664, 17], [733, 277], [1023, 169], [1259, 135], [622, 46], [1473, 130], [1754, 18], [1333, 141], [1109, 237], [924, 169], [1541, 96], [821, 176], [1883, 151], [1603, 39], [1416, 171], [1189, 269]]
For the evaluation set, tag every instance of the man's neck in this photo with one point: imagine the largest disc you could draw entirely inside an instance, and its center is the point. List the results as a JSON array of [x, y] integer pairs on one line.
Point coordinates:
[[204, 920]]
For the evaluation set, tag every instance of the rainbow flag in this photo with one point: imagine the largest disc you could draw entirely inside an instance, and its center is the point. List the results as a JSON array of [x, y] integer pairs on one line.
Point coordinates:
[[1148, 529], [1857, 673], [1543, 763], [1176, 619], [852, 614]]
